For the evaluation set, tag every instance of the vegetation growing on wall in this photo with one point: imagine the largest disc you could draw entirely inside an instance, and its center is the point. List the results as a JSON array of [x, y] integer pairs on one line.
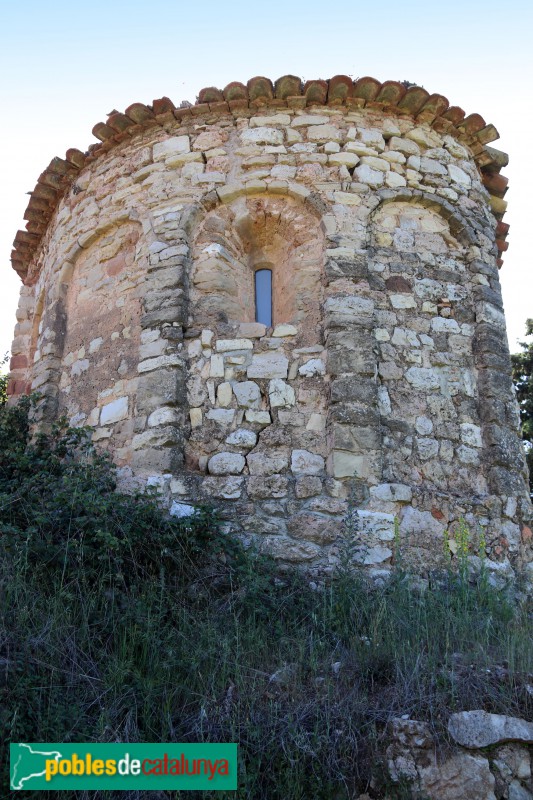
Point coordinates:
[[118, 623], [523, 378]]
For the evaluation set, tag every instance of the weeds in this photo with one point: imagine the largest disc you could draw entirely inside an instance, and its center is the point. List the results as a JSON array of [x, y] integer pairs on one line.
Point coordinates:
[[120, 624]]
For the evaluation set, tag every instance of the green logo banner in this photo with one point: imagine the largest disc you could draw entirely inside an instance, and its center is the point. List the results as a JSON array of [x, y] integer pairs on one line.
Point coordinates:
[[122, 766]]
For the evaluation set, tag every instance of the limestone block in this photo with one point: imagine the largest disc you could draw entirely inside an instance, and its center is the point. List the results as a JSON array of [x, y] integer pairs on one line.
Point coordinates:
[[242, 437], [226, 345], [389, 370], [343, 159], [281, 547], [179, 510], [471, 434], [324, 133], [404, 337], [365, 174], [150, 364], [307, 486], [225, 488], [283, 330], [196, 417], [163, 416], [305, 463], [216, 366], [380, 164], [206, 338], [281, 395], [443, 325], [314, 528], [402, 301], [317, 423], [424, 137], [248, 394], [172, 146], [268, 365], [274, 119], [224, 394], [432, 166], [270, 486], [79, 366], [222, 416], [258, 417], [315, 366], [309, 119], [262, 135], [423, 425], [422, 378], [349, 465], [226, 464], [476, 729], [268, 462], [459, 176], [208, 140], [392, 493], [114, 411], [427, 448], [349, 309], [252, 330], [395, 181], [467, 455]]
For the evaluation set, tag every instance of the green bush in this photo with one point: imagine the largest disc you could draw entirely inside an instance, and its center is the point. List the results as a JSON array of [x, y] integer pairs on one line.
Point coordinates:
[[119, 623]]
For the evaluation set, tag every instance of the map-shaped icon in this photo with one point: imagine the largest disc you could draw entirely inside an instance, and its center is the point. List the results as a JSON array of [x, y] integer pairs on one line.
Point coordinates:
[[27, 763]]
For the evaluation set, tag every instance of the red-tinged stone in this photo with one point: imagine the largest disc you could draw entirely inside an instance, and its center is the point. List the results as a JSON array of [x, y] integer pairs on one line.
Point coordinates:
[[18, 362], [119, 122], [366, 88], [23, 237], [487, 134], [316, 92], [38, 204], [199, 108], [502, 245], [397, 283], [183, 113], [75, 157], [498, 550], [219, 107], [102, 131], [11, 387], [260, 88], [297, 101], [59, 166], [34, 215], [210, 95], [472, 124], [391, 93], [235, 91], [499, 263], [235, 105], [339, 89], [435, 106], [287, 86], [413, 100], [51, 179], [355, 102], [163, 105], [502, 229], [454, 115], [495, 183], [139, 113], [436, 513], [527, 534]]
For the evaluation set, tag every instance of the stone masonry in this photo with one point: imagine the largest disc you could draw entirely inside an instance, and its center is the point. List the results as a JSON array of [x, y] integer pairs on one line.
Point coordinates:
[[382, 389]]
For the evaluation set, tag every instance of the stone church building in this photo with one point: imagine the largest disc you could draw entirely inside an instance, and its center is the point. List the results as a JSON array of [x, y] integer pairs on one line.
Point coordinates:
[[284, 300]]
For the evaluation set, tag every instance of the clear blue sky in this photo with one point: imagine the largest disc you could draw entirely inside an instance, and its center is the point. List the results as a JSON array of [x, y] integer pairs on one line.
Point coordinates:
[[65, 65]]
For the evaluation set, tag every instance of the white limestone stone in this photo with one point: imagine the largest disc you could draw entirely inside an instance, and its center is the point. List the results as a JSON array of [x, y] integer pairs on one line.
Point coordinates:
[[175, 145], [309, 119], [283, 330], [402, 301], [224, 394], [258, 417], [315, 366], [424, 426], [305, 463], [268, 365], [324, 133], [114, 411], [181, 510], [216, 366], [343, 159], [242, 437], [392, 493], [471, 434], [274, 119], [423, 378], [163, 416], [444, 325], [227, 345], [281, 395], [196, 417], [459, 176], [222, 416], [365, 174], [262, 135], [248, 394], [226, 464]]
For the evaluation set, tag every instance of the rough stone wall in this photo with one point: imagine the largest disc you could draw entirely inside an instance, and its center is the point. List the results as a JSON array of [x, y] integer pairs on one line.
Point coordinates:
[[385, 381]]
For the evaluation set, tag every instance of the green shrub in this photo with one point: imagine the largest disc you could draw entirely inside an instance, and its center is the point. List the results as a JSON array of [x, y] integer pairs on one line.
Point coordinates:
[[119, 623]]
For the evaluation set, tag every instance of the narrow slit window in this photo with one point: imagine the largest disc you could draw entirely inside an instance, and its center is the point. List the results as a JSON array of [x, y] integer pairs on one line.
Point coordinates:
[[263, 296]]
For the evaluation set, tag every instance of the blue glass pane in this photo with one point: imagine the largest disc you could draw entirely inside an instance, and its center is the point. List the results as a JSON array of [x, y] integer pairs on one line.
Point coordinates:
[[263, 296]]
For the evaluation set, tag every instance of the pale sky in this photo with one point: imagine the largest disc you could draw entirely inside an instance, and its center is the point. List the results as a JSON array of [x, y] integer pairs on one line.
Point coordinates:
[[65, 65]]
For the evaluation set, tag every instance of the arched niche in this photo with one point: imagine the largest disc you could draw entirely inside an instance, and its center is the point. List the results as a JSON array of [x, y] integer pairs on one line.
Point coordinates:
[[257, 233], [100, 298]]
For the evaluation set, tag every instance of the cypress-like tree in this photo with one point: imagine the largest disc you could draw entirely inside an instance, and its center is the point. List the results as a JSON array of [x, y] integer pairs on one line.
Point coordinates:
[[523, 378]]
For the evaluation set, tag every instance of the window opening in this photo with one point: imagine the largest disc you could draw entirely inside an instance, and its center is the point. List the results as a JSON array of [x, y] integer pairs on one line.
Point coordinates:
[[263, 296]]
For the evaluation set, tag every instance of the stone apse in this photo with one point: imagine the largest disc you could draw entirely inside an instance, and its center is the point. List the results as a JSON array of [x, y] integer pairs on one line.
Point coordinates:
[[369, 373]]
